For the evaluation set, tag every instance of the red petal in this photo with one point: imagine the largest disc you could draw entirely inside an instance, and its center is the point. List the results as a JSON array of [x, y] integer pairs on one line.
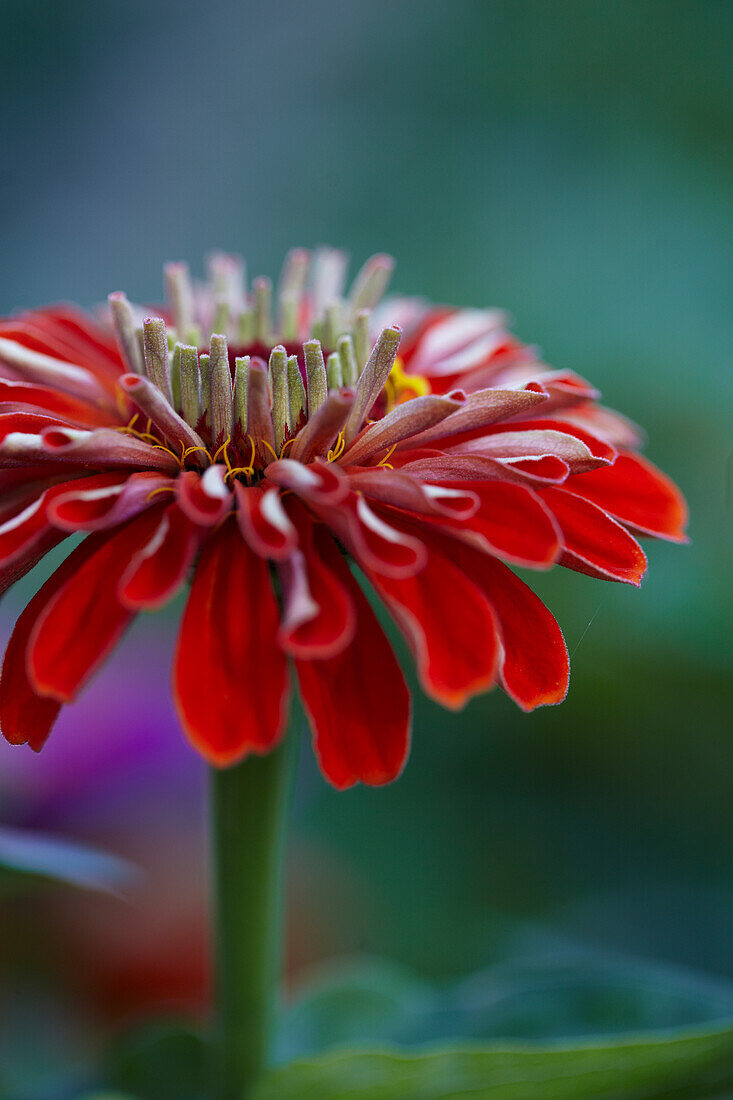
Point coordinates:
[[104, 502], [594, 543], [24, 716], [318, 616], [449, 625], [83, 621], [512, 522], [22, 331], [28, 423], [637, 494], [37, 334], [357, 702], [402, 491], [516, 524], [160, 567], [545, 470], [535, 668], [230, 680], [23, 563], [374, 543], [17, 478], [319, 482], [205, 499], [25, 530], [597, 447], [31, 397], [87, 342], [28, 536], [264, 522]]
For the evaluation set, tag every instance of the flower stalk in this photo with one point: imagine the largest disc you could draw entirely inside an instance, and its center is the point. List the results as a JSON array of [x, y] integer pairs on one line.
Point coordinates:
[[248, 821]]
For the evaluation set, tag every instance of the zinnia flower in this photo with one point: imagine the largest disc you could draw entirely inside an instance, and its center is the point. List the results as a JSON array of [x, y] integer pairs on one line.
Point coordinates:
[[198, 444]]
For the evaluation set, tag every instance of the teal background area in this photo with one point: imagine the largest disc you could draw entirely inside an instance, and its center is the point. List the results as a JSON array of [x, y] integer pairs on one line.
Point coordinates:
[[570, 162]]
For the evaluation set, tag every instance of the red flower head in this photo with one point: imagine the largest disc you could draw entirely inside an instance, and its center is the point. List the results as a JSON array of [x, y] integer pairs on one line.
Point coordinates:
[[261, 466]]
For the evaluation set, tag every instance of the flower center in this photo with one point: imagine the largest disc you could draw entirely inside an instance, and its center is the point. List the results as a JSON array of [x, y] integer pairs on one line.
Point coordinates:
[[246, 381]]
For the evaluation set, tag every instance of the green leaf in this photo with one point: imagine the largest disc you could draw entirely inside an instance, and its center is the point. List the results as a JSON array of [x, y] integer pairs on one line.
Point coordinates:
[[693, 1065], [162, 1061], [107, 1096], [363, 1001], [38, 855], [559, 995]]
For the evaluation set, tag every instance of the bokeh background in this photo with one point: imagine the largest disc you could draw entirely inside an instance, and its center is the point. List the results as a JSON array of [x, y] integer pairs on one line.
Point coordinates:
[[570, 162]]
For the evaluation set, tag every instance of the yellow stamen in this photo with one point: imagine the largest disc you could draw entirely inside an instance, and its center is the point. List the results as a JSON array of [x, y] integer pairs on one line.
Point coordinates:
[[144, 437], [286, 444], [234, 470], [190, 450], [160, 447], [271, 449], [385, 461], [223, 450], [335, 454], [161, 489]]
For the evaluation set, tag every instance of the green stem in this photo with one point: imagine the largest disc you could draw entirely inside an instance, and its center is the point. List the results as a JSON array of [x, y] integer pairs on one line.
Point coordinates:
[[248, 811]]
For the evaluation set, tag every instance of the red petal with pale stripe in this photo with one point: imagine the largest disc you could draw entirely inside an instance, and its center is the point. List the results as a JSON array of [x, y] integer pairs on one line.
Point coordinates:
[[25, 530], [595, 544], [31, 397], [205, 499], [96, 504], [318, 615], [230, 679], [264, 522], [26, 537], [597, 447], [84, 619], [637, 494], [512, 522], [374, 543], [449, 625], [26, 717], [87, 342], [28, 423], [357, 702], [160, 567]]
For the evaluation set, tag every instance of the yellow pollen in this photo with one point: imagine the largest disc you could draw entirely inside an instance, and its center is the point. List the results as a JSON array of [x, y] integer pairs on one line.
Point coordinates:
[[122, 402], [401, 387]]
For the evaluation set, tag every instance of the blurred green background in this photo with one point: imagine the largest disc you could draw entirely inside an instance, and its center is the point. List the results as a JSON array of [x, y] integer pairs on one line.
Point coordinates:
[[568, 161]]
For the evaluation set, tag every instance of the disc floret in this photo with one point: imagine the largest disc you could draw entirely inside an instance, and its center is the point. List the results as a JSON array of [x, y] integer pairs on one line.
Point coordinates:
[[237, 368]]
